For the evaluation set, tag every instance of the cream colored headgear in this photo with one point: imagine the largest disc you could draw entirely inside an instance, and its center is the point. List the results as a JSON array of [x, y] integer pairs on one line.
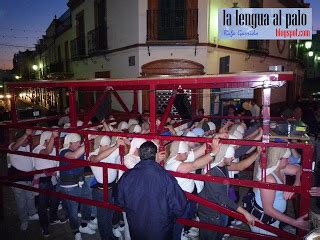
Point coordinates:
[[274, 154], [70, 138]]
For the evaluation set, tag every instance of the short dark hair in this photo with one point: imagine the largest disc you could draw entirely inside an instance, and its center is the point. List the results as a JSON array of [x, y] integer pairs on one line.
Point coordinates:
[[148, 151]]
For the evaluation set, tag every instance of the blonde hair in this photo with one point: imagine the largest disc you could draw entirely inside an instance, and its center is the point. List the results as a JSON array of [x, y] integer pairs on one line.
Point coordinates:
[[274, 154]]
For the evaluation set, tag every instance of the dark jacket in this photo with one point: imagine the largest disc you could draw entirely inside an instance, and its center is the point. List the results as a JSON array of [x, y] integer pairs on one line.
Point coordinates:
[[216, 192], [152, 200]]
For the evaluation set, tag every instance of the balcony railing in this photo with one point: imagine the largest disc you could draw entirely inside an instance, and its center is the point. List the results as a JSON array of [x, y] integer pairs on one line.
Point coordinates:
[[78, 47], [258, 46], [97, 39], [172, 25]]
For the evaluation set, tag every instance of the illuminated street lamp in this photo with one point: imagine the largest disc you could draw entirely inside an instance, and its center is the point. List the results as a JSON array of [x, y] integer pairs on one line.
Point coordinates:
[[310, 53], [17, 77], [35, 67], [308, 45]]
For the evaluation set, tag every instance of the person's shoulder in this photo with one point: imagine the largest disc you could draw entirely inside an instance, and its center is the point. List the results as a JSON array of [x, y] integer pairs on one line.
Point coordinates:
[[38, 148], [271, 179], [63, 151]]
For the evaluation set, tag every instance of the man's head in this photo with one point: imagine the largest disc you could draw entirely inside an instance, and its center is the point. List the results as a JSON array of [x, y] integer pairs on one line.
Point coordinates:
[[72, 141], [148, 151], [297, 113]]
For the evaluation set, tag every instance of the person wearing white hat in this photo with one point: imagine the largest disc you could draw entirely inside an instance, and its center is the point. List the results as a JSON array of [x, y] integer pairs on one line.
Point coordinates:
[[218, 193], [184, 160], [132, 121], [270, 205], [123, 126], [19, 164], [72, 183], [132, 158], [47, 181], [106, 153]]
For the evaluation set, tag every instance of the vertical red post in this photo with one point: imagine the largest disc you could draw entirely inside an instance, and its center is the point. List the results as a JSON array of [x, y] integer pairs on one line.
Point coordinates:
[[72, 107], [121, 153], [306, 180], [266, 95], [167, 111], [105, 184], [153, 107], [135, 102], [13, 100]]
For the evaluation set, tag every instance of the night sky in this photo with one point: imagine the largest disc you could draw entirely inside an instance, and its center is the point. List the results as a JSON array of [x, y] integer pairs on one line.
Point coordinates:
[[23, 22]]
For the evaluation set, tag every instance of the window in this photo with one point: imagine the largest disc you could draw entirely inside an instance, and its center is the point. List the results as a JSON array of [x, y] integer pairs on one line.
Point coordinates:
[[172, 20], [224, 64]]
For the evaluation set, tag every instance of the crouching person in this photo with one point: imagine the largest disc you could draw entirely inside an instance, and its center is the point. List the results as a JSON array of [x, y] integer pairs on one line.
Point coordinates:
[[72, 183], [106, 153]]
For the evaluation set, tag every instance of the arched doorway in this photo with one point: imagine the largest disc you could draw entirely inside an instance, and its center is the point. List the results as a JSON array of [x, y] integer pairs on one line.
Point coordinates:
[[171, 67]]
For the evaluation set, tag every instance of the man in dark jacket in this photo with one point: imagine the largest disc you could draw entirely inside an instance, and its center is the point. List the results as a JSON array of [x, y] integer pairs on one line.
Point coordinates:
[[151, 197]]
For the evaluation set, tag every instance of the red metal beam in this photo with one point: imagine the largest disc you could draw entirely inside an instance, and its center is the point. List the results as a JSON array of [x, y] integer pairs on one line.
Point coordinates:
[[94, 109], [225, 78], [222, 180], [153, 107], [306, 181], [123, 105], [239, 216], [167, 111]]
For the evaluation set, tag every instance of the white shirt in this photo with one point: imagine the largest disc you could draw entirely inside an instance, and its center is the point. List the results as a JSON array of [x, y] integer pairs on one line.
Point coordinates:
[[130, 160], [22, 163], [114, 157], [40, 163], [185, 183]]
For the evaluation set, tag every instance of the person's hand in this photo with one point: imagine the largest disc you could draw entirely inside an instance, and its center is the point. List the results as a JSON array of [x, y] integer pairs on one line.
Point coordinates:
[[215, 145], [302, 223], [250, 219], [259, 150], [55, 134], [221, 135], [288, 195], [29, 132], [161, 156], [315, 191], [120, 142]]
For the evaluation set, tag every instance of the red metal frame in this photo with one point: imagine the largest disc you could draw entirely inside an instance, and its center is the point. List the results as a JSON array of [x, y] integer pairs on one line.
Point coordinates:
[[262, 80]]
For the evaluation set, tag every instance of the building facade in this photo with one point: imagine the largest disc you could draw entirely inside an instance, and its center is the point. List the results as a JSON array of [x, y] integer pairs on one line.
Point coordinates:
[[140, 38]]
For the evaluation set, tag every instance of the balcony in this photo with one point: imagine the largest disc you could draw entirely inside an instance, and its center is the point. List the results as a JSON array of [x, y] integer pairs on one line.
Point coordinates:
[[97, 40], [258, 46], [172, 25], [78, 47]]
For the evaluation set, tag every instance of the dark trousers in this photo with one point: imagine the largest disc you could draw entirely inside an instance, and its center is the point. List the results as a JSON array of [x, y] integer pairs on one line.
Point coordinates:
[[216, 219], [72, 206], [46, 201], [104, 215], [189, 214]]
